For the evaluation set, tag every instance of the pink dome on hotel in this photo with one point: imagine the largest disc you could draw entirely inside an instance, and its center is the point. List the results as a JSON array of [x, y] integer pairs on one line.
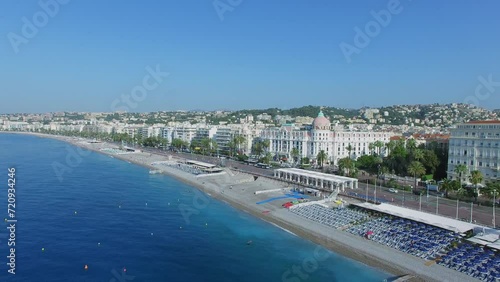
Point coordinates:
[[321, 122]]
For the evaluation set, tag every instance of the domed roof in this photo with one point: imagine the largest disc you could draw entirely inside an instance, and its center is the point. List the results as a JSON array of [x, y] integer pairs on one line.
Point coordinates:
[[321, 122]]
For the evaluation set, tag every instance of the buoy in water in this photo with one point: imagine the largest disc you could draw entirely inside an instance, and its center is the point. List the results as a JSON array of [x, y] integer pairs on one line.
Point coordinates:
[[124, 269], [180, 227], [151, 233], [43, 249], [119, 206], [146, 204], [75, 212], [99, 244], [86, 267]]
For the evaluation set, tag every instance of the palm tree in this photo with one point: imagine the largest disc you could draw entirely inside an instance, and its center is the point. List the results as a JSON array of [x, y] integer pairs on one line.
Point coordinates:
[[416, 169], [177, 143], [390, 146], [349, 149], [265, 145], [239, 140], [476, 177], [418, 154], [321, 157], [205, 145], [295, 154], [257, 148], [411, 144], [460, 169], [379, 145], [448, 186], [346, 165], [267, 158], [232, 147], [371, 147], [491, 188], [214, 147]]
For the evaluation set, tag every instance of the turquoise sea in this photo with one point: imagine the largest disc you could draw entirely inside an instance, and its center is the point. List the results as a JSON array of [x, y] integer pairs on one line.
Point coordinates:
[[77, 208]]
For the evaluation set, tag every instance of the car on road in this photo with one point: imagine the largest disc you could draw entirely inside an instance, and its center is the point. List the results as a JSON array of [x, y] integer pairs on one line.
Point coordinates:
[[392, 190]]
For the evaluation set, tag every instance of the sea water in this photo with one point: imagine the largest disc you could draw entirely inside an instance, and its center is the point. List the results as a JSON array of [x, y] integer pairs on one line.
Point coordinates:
[[79, 208]]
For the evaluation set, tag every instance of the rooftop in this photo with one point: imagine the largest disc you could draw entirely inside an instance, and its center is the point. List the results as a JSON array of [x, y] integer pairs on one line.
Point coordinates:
[[484, 122], [427, 218], [319, 175], [200, 164]]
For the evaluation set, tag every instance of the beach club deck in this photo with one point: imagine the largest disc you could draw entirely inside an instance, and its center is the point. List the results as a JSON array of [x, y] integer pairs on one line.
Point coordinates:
[[205, 167], [423, 217], [319, 180]]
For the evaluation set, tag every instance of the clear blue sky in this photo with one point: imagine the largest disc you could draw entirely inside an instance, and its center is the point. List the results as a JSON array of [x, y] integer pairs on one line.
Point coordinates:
[[264, 53]]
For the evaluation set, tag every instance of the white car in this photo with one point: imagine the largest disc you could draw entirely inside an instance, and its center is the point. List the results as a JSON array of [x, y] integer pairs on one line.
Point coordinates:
[[392, 190]]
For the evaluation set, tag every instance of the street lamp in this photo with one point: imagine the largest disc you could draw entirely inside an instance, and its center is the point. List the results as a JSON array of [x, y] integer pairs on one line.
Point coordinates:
[[375, 194], [366, 191], [471, 212], [420, 201], [494, 193], [437, 203], [403, 199]]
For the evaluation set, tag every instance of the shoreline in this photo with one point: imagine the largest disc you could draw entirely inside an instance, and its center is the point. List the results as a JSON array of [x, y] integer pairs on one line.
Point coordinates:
[[374, 255]]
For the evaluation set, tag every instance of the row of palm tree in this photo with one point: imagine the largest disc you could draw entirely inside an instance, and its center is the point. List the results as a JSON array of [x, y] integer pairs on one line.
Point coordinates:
[[261, 146], [235, 144], [490, 190]]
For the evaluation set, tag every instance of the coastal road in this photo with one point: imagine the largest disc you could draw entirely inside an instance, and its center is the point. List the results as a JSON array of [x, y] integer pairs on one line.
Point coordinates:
[[431, 204]]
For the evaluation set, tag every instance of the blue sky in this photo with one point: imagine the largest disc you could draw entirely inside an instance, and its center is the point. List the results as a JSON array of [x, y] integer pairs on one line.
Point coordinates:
[[264, 53]]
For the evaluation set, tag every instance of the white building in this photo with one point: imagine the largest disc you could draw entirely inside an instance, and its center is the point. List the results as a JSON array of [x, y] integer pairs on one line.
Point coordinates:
[[320, 136], [477, 145], [184, 133]]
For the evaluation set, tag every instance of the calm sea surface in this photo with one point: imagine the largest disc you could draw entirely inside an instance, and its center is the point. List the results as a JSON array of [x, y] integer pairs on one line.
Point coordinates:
[[128, 225]]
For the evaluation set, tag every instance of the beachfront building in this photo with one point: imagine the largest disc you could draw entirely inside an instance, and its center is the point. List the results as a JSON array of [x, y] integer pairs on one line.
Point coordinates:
[[475, 144], [223, 137], [204, 132], [322, 181], [185, 133], [320, 135]]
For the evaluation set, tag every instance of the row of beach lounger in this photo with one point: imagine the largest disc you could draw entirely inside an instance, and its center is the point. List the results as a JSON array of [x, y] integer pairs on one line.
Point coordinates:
[[415, 238]]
